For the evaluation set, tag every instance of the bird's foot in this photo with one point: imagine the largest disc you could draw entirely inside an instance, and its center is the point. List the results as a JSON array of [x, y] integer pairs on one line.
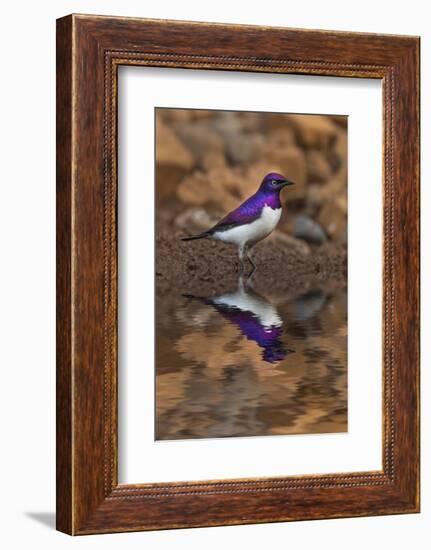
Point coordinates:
[[251, 274]]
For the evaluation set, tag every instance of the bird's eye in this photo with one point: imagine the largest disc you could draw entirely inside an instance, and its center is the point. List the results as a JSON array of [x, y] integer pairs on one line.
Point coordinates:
[[274, 182]]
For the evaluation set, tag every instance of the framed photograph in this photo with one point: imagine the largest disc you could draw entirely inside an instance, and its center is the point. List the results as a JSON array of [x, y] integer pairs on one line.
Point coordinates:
[[237, 274]]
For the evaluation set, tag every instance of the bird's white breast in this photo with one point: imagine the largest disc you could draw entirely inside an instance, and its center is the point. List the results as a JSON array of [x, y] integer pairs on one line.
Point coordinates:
[[251, 233], [263, 310]]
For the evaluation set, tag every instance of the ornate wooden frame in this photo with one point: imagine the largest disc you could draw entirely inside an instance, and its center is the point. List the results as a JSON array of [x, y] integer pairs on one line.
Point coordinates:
[[89, 51]]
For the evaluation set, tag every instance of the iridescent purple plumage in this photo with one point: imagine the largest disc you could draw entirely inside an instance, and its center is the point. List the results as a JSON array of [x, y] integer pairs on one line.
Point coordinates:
[[268, 194], [266, 337]]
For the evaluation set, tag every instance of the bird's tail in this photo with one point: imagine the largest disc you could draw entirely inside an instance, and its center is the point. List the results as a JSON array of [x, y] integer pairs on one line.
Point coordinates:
[[193, 237]]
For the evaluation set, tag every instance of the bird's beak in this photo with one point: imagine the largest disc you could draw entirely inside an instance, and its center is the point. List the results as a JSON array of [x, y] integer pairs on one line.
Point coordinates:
[[285, 183]]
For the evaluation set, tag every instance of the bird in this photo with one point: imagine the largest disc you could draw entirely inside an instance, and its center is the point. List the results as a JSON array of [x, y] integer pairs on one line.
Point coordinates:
[[252, 221], [255, 317]]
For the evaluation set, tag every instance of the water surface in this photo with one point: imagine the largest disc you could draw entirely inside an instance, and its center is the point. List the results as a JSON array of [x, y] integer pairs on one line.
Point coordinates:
[[244, 364]]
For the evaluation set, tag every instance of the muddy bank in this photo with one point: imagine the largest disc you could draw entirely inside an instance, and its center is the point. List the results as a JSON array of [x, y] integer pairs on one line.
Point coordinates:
[[285, 265]]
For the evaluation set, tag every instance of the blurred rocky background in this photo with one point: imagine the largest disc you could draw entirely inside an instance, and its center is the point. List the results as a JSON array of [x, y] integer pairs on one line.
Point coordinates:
[[208, 162]]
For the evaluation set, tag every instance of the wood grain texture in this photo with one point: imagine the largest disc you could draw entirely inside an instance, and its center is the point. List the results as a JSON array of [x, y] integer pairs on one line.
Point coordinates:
[[90, 49], [64, 495]]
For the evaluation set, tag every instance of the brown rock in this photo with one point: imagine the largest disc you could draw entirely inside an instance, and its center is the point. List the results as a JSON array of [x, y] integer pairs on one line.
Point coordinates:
[[195, 219], [204, 142], [334, 220], [291, 161], [221, 187], [280, 138], [314, 131], [318, 194], [315, 195], [201, 114], [252, 122], [341, 202], [178, 116], [226, 122], [173, 160], [341, 150], [241, 146], [275, 121], [213, 159], [173, 115], [340, 120], [318, 167]]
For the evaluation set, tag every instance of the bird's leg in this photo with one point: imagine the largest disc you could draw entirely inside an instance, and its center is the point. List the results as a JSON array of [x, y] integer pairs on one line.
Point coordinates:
[[254, 266], [241, 256], [241, 282]]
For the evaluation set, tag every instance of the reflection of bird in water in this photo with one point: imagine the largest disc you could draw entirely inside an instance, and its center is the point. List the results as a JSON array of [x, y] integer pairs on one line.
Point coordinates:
[[253, 220], [256, 318]]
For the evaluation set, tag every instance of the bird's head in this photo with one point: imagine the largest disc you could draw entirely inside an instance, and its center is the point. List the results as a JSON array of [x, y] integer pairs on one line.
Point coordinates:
[[274, 183]]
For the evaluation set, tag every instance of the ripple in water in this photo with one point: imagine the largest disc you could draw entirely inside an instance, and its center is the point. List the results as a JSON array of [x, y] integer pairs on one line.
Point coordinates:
[[241, 364]]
